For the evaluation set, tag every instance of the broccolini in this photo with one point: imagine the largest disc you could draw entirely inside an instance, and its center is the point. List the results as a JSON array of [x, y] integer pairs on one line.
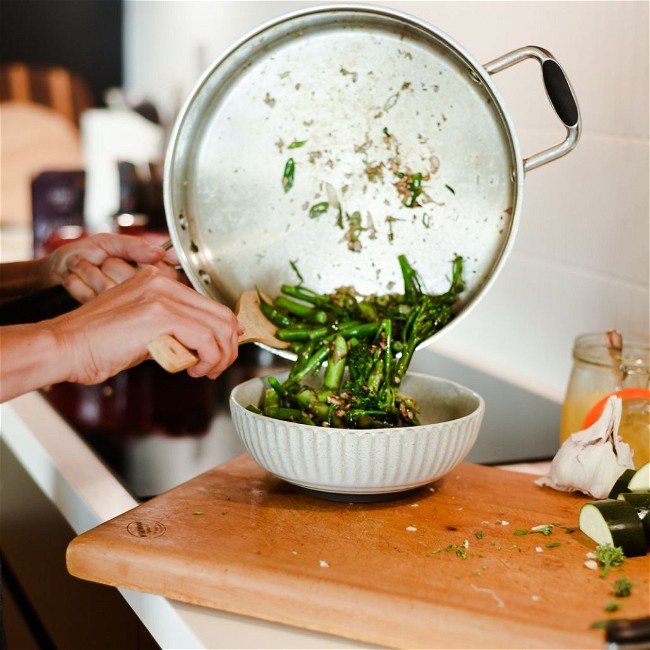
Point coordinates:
[[359, 347]]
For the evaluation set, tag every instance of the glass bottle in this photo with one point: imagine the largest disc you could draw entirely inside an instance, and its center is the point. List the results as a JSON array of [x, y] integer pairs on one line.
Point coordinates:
[[605, 363]]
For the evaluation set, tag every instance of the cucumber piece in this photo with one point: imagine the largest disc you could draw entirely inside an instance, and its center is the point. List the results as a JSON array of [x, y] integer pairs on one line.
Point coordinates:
[[615, 522], [640, 499], [640, 480], [621, 484], [641, 503]]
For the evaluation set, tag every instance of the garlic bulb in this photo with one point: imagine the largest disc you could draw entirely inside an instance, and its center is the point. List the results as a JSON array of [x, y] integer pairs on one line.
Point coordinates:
[[591, 460]]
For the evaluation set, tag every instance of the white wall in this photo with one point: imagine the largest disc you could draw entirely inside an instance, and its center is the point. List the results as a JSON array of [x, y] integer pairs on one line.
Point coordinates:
[[580, 260]]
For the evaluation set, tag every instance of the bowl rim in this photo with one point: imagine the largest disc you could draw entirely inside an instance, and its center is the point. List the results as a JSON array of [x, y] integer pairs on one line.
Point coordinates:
[[480, 406]]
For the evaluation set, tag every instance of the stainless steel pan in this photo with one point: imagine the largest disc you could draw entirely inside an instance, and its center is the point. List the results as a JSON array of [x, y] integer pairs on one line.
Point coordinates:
[[364, 102]]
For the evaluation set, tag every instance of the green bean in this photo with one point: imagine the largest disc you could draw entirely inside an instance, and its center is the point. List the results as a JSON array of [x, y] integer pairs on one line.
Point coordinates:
[[301, 333], [312, 364], [273, 314], [284, 413], [276, 386], [361, 330], [271, 399], [308, 295], [293, 307], [336, 364]]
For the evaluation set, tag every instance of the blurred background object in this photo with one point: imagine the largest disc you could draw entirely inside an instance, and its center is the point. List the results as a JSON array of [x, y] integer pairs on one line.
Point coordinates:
[[34, 138], [54, 86], [62, 90], [111, 136], [57, 58], [83, 37], [57, 209]]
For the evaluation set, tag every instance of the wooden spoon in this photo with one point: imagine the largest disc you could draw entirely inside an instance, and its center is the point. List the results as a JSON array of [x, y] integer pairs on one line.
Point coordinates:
[[173, 356]]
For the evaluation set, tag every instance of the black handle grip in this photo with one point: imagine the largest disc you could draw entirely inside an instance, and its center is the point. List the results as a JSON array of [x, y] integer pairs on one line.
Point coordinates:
[[559, 93]]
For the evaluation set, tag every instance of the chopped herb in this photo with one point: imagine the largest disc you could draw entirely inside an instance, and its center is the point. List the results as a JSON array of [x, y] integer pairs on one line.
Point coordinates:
[[460, 550], [545, 529], [565, 528], [415, 186], [598, 625], [296, 271], [339, 218], [451, 189], [609, 556], [390, 220], [317, 209], [354, 230], [612, 606], [288, 175], [198, 513], [622, 587], [438, 550], [193, 247], [409, 188], [552, 545], [374, 172], [479, 534], [296, 144], [354, 75], [391, 101]]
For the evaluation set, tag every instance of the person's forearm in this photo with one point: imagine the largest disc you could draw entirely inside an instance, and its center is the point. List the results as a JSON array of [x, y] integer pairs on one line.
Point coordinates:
[[20, 278], [30, 358]]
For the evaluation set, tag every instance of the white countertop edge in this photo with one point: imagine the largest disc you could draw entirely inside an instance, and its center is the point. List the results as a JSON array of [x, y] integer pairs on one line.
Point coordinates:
[[62, 465], [87, 494]]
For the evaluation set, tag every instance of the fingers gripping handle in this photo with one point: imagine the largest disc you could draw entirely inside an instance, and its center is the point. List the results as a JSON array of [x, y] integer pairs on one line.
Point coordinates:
[[560, 95], [171, 354]]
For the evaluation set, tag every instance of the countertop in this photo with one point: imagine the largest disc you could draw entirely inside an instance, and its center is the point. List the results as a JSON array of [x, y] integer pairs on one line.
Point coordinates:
[[87, 494]]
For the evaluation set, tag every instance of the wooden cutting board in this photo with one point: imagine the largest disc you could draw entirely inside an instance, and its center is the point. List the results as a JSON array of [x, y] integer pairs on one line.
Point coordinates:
[[442, 568]]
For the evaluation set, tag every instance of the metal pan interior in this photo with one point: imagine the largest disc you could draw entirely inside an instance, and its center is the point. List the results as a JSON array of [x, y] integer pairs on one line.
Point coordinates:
[[362, 100]]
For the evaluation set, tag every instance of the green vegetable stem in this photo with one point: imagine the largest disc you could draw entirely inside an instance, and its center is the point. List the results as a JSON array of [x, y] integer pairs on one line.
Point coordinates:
[[353, 351]]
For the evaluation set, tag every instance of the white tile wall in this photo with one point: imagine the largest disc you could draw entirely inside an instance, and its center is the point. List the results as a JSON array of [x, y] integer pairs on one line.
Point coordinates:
[[581, 258]]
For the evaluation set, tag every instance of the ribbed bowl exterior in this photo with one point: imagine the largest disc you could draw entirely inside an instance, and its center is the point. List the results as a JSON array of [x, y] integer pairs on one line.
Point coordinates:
[[355, 461]]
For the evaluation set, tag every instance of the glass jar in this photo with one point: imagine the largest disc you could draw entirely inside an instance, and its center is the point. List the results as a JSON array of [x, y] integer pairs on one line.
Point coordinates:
[[607, 363]]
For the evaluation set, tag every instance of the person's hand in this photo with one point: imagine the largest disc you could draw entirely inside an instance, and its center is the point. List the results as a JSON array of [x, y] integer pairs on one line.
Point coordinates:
[[111, 332], [90, 266]]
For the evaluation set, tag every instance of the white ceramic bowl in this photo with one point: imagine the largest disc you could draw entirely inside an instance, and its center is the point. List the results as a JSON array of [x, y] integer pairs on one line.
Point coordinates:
[[370, 461]]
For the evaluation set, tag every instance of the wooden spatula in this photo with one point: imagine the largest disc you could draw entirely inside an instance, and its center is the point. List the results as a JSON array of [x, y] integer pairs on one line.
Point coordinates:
[[173, 356]]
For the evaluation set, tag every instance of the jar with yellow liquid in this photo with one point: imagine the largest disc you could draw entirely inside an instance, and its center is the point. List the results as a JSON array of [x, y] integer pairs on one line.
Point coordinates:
[[607, 363]]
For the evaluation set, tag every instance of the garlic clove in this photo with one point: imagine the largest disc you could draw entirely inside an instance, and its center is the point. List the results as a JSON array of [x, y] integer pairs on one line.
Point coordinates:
[[591, 460]]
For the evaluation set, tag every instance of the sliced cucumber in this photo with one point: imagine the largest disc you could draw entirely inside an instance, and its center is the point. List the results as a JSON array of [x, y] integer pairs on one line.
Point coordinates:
[[640, 499], [622, 483], [615, 522], [640, 480], [641, 503]]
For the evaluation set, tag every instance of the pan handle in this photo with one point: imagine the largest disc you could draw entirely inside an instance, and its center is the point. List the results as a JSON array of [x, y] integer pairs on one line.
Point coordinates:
[[560, 94]]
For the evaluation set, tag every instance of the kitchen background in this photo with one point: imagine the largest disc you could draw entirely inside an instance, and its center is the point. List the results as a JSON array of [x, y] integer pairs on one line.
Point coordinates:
[[581, 257]]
